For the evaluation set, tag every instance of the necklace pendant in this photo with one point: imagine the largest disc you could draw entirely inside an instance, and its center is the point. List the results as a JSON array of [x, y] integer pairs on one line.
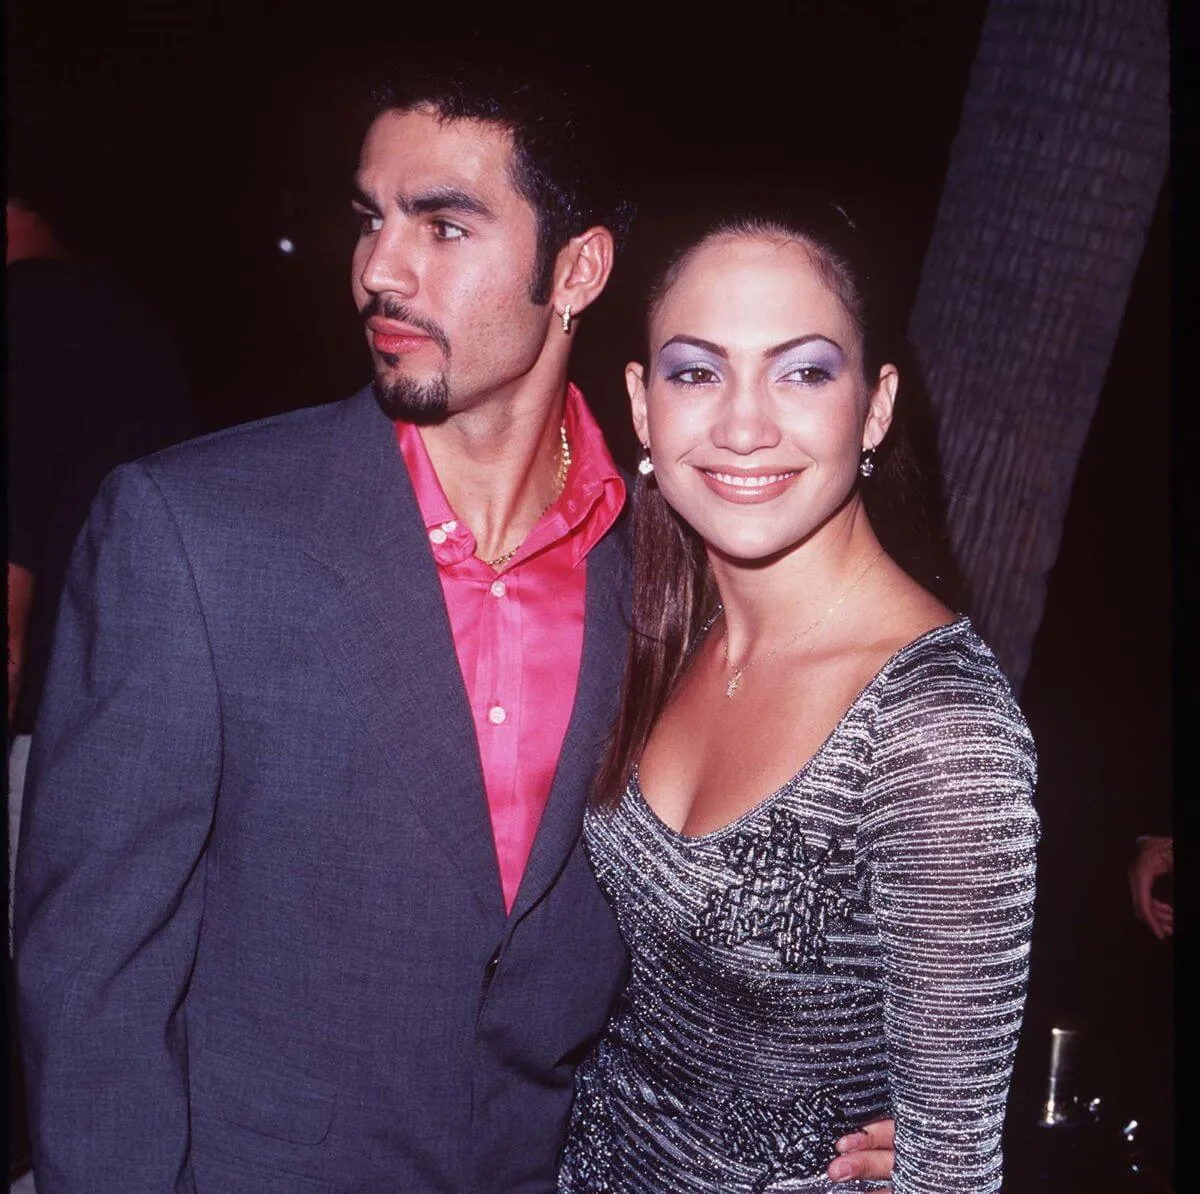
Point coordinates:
[[734, 681]]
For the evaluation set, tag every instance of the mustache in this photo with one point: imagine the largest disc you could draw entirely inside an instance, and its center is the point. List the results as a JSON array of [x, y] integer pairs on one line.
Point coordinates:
[[393, 309]]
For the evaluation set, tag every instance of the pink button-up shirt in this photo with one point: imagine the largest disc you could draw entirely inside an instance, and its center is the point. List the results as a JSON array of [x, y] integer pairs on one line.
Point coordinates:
[[518, 632]]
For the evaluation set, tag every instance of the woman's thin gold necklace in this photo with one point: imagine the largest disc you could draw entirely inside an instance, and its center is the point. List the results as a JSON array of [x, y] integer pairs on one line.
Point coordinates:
[[735, 680], [564, 467]]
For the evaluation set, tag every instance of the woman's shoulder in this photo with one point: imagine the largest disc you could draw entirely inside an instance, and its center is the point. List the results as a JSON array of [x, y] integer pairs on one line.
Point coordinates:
[[949, 660], [946, 690]]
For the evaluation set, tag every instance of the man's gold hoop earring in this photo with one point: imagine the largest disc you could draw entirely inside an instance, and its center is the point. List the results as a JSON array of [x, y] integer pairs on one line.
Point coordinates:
[[567, 319]]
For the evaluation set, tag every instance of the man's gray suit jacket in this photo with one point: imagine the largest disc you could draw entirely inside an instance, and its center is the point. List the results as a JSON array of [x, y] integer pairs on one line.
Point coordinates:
[[261, 941]]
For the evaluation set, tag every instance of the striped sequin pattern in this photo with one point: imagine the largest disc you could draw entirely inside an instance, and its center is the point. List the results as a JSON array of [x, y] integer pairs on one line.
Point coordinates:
[[855, 946]]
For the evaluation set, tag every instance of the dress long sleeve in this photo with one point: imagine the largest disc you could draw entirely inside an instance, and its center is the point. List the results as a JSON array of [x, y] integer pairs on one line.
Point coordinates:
[[949, 831]]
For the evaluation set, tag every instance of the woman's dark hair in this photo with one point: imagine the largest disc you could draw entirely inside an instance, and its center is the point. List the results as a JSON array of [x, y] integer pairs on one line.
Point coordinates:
[[674, 595], [559, 160]]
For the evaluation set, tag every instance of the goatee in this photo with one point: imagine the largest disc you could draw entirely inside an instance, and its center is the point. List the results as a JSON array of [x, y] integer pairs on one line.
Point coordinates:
[[403, 398]]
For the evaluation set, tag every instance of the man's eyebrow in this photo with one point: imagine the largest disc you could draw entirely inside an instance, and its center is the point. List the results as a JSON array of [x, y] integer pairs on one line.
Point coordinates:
[[444, 199], [359, 196], [451, 199]]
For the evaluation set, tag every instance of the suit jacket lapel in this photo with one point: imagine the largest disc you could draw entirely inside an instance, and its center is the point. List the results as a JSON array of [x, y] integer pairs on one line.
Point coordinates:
[[388, 637], [606, 631]]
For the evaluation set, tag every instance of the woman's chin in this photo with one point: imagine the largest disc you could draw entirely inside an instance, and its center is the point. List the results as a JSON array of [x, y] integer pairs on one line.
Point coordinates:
[[750, 551]]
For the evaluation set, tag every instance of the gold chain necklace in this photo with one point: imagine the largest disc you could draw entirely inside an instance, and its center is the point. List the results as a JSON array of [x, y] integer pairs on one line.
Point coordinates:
[[735, 680], [560, 483]]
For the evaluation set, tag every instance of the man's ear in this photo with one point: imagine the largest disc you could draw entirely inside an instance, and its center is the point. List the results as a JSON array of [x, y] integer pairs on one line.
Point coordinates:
[[636, 386], [880, 408], [582, 269]]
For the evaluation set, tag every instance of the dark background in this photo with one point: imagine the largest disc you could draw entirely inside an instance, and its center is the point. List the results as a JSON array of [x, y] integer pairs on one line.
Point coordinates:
[[188, 141], [185, 140]]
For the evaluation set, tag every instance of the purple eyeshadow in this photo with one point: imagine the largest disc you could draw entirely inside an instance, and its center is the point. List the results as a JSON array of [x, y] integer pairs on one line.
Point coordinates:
[[819, 354], [677, 356]]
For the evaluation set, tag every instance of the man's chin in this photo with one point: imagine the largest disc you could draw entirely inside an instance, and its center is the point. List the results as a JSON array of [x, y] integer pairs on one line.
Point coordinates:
[[423, 402]]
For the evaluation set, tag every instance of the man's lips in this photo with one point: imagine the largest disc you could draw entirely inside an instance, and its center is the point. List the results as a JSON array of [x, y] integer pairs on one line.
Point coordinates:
[[748, 485], [393, 339]]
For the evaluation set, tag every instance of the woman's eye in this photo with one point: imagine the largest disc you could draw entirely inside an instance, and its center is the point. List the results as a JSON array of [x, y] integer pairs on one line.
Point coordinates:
[[694, 375], [809, 375], [444, 230]]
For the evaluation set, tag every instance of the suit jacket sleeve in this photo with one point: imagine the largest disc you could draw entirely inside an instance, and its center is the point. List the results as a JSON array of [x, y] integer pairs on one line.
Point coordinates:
[[111, 868]]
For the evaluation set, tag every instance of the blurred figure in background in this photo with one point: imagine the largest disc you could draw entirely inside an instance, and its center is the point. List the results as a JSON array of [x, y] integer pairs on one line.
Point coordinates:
[[1151, 874], [93, 382], [1146, 1012]]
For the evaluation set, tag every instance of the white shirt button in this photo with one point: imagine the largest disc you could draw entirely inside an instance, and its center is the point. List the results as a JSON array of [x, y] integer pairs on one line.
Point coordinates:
[[496, 715], [437, 535], [499, 588], [450, 526]]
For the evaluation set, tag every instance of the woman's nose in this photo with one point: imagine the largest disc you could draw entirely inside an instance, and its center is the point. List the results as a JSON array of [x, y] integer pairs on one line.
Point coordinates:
[[746, 422]]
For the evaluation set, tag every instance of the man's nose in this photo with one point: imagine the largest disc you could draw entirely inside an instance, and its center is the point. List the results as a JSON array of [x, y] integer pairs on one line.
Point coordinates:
[[390, 266]]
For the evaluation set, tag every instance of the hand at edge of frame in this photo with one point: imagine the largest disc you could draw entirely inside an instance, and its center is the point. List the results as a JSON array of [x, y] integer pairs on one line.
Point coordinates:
[[1155, 857]]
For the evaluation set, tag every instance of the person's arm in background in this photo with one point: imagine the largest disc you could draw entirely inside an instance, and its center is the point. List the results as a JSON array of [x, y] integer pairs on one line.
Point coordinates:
[[31, 372], [20, 602], [1153, 858]]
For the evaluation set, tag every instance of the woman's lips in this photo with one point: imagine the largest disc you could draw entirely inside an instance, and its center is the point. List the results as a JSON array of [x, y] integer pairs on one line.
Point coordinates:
[[748, 487]]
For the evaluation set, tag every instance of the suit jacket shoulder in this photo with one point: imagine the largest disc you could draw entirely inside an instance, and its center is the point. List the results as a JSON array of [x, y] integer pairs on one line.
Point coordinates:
[[276, 473]]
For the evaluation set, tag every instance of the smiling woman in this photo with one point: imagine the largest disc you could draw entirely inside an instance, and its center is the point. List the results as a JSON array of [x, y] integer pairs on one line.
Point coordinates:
[[766, 416], [814, 822], [815, 350]]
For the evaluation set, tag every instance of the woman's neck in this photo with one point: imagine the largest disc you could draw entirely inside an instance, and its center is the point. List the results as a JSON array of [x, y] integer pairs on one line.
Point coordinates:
[[766, 604]]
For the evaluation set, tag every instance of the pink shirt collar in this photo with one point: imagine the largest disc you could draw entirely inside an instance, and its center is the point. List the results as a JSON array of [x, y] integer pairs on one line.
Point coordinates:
[[585, 510]]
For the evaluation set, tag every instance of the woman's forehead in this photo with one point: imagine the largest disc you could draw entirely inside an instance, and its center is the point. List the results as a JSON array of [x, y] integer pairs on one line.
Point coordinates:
[[748, 279]]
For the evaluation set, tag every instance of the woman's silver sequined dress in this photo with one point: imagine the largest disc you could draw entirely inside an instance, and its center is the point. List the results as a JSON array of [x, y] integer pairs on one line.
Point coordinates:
[[855, 946]]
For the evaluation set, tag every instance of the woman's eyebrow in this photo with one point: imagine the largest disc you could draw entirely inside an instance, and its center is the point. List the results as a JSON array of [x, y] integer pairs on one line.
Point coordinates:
[[695, 342], [780, 349]]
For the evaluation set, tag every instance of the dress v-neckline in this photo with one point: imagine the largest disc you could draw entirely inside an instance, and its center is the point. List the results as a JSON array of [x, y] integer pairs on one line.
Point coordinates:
[[635, 785]]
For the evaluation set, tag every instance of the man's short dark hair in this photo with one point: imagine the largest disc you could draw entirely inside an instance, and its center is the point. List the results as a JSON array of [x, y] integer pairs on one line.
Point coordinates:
[[559, 163]]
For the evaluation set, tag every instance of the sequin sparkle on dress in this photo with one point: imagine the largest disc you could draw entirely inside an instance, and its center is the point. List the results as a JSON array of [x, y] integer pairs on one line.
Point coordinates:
[[855, 946]]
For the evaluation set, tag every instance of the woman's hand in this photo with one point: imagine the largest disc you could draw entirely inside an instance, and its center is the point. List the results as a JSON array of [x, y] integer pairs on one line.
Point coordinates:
[[866, 1154]]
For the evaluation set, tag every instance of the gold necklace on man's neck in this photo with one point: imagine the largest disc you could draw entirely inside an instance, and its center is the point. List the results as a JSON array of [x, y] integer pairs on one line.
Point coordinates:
[[735, 680], [560, 483]]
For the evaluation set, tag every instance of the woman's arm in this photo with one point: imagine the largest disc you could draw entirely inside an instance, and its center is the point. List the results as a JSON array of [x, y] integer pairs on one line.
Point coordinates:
[[950, 832]]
